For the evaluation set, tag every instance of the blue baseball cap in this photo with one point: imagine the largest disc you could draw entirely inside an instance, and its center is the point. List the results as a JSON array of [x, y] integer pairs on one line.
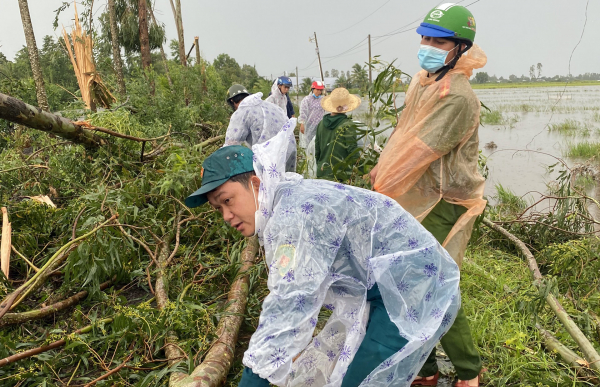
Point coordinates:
[[219, 167]]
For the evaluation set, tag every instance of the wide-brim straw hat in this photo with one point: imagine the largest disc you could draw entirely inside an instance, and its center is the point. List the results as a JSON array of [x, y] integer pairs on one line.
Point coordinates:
[[340, 101]]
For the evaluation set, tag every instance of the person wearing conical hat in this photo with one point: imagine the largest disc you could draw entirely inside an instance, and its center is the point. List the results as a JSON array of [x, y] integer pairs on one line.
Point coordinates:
[[430, 164], [336, 138]]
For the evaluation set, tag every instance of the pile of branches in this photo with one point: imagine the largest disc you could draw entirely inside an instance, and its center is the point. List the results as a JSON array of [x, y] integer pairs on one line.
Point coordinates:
[[112, 278]]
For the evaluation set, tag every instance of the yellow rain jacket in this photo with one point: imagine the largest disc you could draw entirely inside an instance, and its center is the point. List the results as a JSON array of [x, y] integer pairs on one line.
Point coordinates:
[[433, 152]]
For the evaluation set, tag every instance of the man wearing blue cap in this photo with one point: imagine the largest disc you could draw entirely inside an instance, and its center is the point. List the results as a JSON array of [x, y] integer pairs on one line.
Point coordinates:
[[390, 288]]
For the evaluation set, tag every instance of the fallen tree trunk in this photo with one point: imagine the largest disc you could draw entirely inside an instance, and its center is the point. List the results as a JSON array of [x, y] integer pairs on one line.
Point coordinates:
[[584, 344], [18, 318], [17, 111], [217, 362]]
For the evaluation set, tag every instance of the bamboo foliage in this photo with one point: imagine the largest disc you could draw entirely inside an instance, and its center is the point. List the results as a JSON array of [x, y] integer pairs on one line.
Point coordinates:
[[79, 47]]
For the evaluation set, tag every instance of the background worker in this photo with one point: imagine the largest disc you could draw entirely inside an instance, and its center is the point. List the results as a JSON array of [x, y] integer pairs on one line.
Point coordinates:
[[334, 246], [430, 164], [279, 95], [311, 114], [254, 121], [336, 136]]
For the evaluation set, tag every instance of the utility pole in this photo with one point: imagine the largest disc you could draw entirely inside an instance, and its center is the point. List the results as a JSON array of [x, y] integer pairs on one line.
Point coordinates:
[[370, 74], [297, 86], [318, 56]]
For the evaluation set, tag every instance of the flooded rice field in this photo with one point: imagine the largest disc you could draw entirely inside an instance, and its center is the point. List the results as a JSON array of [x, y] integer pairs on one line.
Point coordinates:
[[528, 130]]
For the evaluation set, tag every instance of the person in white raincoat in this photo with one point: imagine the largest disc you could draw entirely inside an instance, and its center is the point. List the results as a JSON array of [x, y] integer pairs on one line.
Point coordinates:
[[255, 121], [279, 91], [392, 289], [311, 113]]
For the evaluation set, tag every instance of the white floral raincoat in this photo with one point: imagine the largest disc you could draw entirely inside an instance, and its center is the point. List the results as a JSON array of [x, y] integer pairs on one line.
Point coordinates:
[[326, 244]]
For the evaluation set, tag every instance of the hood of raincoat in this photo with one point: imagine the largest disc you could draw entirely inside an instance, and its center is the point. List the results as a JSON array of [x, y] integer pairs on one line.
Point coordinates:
[[251, 100], [270, 161], [331, 122], [277, 97]]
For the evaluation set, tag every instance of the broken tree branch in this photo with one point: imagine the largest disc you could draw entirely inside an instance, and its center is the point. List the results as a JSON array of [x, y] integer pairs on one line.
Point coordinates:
[[17, 111], [49, 347], [18, 318], [217, 362], [584, 344]]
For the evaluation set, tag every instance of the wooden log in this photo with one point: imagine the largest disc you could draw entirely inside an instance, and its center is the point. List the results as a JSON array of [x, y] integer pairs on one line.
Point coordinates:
[[5, 243], [17, 111], [588, 350], [213, 370]]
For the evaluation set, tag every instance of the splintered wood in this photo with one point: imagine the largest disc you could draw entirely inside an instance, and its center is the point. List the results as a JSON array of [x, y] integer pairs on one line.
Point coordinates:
[[5, 243], [79, 47]]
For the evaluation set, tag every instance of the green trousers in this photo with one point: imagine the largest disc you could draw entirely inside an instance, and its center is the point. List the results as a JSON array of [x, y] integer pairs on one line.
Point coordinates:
[[457, 343]]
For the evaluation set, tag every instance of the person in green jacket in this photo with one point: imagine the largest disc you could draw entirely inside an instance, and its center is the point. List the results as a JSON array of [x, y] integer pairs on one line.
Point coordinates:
[[336, 137]]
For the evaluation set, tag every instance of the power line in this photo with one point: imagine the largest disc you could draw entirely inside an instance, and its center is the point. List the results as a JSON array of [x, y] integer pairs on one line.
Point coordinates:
[[361, 20], [342, 53]]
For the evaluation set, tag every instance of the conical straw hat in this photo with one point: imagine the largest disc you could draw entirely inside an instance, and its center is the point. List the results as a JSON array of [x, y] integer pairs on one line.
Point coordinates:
[[340, 101]]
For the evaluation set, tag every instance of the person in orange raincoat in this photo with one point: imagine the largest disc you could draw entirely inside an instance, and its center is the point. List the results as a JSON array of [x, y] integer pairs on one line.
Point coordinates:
[[430, 164]]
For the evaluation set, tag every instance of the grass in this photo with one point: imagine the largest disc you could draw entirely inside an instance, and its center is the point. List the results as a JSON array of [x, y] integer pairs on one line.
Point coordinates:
[[570, 127], [496, 117], [596, 117], [586, 149], [495, 285], [524, 85]]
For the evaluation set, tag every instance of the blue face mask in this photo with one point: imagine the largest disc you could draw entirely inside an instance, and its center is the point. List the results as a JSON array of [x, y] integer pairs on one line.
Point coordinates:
[[317, 96], [432, 59]]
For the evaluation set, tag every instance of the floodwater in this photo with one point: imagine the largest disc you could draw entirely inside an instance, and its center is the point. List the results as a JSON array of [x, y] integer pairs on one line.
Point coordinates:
[[523, 146]]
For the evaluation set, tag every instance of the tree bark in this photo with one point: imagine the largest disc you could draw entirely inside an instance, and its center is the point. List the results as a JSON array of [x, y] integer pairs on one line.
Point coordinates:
[[217, 362], [162, 54], [198, 59], [117, 61], [34, 58], [144, 38], [17, 111], [179, 24]]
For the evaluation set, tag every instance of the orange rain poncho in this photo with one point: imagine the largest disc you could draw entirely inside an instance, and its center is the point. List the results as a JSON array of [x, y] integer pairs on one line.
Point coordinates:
[[434, 150]]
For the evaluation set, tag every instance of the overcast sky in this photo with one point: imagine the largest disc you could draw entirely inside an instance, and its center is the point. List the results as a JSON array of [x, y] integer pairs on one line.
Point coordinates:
[[274, 34]]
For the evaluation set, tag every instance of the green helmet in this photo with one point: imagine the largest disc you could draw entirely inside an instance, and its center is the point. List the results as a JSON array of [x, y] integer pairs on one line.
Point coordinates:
[[235, 90], [449, 21]]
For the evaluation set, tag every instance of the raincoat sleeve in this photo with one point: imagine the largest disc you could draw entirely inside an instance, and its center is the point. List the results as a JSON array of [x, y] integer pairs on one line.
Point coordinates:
[[299, 254], [290, 107], [409, 153], [238, 130], [303, 111]]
